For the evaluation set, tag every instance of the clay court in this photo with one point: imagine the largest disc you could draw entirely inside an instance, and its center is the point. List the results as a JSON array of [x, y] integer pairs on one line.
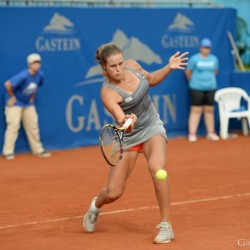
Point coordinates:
[[43, 200]]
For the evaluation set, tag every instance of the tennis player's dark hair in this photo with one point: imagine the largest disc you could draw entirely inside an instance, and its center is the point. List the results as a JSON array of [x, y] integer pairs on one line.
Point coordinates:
[[105, 51]]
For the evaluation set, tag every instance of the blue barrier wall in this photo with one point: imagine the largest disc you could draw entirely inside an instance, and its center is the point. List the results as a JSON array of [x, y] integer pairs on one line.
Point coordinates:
[[69, 107], [241, 80]]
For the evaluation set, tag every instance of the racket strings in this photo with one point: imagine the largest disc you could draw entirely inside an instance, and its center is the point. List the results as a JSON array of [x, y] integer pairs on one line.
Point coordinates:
[[111, 145]]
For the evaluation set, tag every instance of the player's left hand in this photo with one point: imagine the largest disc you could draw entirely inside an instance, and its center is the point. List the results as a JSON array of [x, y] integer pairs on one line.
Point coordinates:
[[178, 61]]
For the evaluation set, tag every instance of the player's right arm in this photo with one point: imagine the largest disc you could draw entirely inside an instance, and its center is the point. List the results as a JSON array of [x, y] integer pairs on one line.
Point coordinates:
[[10, 91], [111, 100]]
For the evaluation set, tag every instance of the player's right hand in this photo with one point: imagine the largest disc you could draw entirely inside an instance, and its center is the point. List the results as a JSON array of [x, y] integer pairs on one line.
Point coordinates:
[[134, 119]]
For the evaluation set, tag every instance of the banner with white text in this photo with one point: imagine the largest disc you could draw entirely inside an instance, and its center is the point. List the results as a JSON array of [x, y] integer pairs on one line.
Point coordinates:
[[69, 106]]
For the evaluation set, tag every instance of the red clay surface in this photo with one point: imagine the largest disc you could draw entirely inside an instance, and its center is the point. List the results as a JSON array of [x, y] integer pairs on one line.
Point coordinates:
[[43, 200]]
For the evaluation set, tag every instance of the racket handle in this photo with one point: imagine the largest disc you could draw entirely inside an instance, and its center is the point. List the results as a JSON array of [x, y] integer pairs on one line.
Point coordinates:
[[127, 124]]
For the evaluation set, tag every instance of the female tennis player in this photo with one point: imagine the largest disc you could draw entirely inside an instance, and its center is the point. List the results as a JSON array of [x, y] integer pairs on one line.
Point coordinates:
[[124, 94]]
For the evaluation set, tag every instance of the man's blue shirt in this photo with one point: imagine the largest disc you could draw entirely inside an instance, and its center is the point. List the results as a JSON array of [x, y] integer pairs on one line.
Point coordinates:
[[24, 85]]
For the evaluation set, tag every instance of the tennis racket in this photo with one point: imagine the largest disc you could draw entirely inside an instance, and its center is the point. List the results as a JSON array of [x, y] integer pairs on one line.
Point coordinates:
[[111, 142]]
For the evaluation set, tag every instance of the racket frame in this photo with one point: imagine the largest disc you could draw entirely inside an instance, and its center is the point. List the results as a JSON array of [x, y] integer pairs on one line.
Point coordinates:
[[119, 132]]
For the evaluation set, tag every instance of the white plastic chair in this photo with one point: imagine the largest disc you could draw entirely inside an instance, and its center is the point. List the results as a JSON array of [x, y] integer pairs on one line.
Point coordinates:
[[229, 102]]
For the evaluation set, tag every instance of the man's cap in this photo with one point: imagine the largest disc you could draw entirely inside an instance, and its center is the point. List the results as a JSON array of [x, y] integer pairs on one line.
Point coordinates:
[[205, 42], [33, 58]]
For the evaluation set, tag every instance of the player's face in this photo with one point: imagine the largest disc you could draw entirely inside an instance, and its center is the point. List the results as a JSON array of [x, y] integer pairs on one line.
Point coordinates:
[[115, 66]]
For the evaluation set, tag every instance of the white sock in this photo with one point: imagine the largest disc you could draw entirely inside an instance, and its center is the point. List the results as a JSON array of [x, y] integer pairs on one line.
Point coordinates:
[[165, 223], [93, 207]]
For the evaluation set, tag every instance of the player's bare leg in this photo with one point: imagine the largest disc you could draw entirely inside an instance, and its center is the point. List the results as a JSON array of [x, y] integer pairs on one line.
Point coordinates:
[[117, 179], [155, 153], [116, 185]]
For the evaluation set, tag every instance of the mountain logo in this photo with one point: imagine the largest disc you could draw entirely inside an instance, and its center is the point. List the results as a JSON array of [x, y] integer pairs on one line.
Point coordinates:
[[181, 23], [132, 48], [60, 25]]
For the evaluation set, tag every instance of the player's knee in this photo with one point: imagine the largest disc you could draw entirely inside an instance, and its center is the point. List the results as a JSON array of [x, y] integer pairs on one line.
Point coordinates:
[[113, 195], [156, 164]]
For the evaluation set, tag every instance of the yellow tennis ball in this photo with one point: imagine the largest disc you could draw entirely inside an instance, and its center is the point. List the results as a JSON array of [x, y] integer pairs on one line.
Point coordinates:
[[161, 174]]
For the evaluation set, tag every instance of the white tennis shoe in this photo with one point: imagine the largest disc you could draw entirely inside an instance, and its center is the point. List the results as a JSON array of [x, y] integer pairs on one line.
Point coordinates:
[[90, 218], [165, 234]]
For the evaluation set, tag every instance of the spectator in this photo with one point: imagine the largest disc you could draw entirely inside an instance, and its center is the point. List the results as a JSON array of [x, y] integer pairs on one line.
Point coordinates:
[[19, 108], [201, 74]]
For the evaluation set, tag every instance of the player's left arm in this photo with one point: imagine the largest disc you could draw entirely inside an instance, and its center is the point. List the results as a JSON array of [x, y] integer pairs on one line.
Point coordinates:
[[176, 61]]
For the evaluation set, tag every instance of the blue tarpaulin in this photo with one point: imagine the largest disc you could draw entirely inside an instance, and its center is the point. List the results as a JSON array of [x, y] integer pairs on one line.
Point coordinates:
[[70, 110]]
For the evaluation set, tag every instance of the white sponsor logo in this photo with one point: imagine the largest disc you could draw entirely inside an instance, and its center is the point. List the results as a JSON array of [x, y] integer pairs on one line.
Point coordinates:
[[178, 34], [128, 99], [84, 114], [243, 243], [181, 23], [58, 25]]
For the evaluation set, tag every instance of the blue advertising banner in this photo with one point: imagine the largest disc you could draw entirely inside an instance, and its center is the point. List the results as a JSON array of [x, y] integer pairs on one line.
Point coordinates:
[[69, 107]]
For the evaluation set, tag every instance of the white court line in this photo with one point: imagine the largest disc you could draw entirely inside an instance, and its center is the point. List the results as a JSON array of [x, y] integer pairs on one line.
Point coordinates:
[[130, 210]]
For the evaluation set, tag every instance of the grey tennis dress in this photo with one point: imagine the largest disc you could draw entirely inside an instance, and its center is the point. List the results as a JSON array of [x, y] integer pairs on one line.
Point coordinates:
[[139, 103]]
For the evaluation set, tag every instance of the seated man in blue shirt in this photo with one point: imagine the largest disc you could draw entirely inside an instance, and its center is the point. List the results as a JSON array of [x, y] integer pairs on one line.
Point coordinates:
[[19, 108]]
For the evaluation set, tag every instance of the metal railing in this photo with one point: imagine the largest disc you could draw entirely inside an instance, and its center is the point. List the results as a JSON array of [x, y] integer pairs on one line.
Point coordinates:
[[110, 3]]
